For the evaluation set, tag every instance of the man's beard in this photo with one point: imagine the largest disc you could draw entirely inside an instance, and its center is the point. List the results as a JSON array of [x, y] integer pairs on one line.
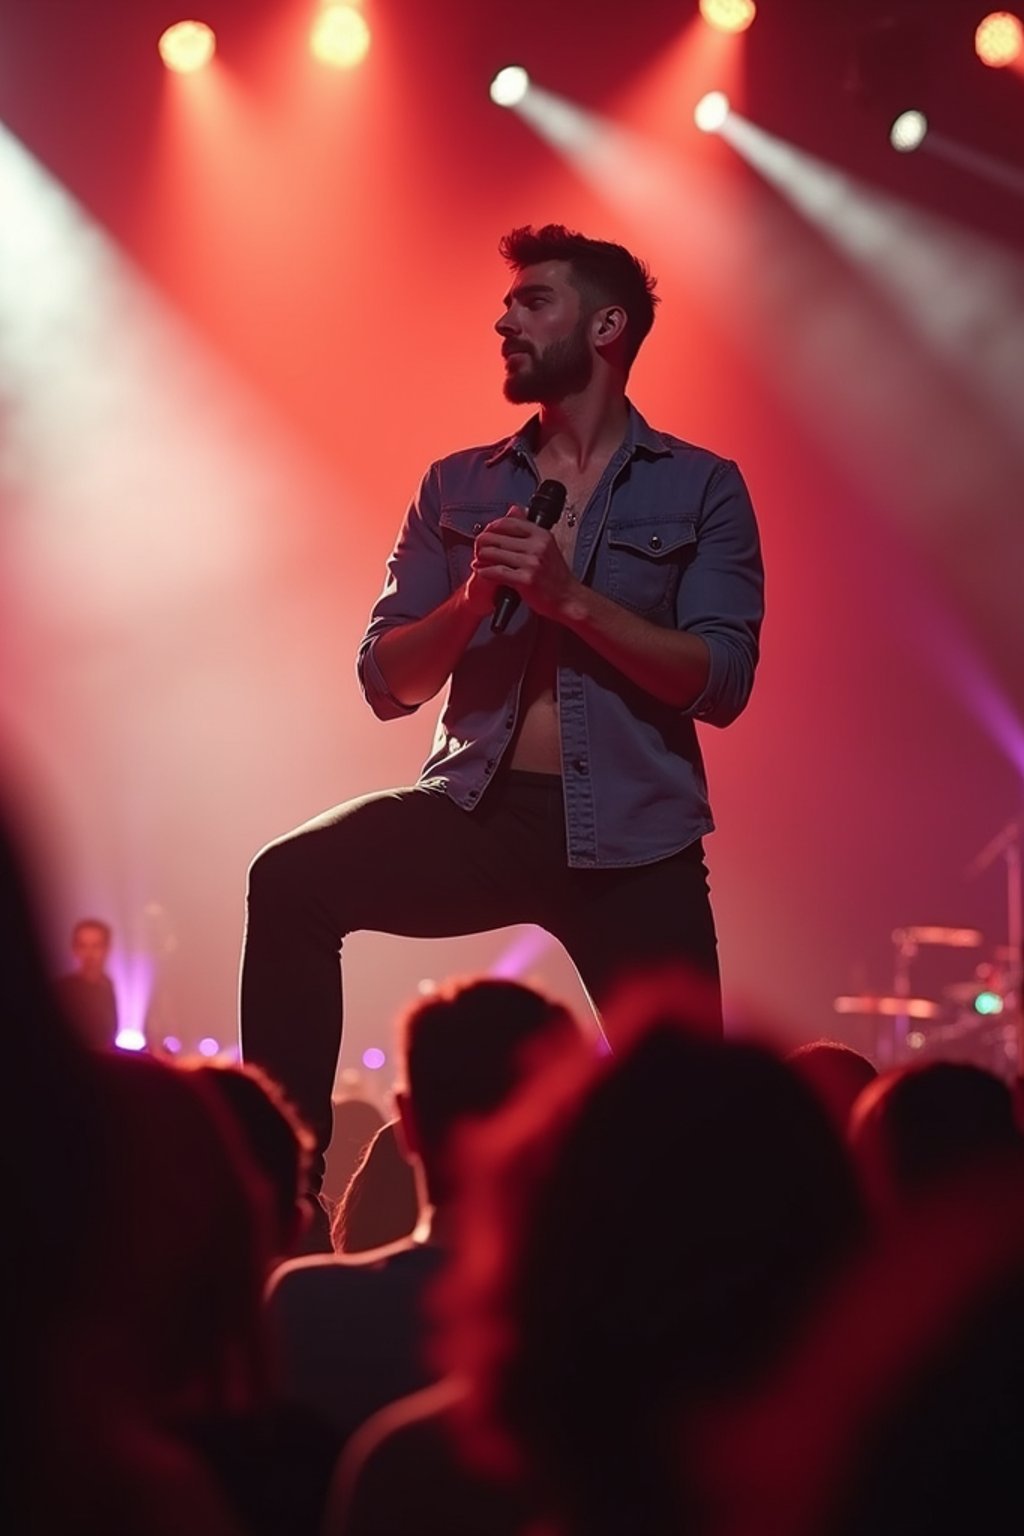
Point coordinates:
[[563, 368]]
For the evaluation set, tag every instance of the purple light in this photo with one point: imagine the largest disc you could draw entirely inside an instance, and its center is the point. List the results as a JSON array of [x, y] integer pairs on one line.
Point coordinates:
[[374, 1058], [130, 1040], [525, 948], [172, 1045], [208, 1046]]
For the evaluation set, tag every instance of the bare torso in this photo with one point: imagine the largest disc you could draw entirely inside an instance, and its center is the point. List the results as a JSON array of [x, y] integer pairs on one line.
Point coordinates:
[[537, 745]]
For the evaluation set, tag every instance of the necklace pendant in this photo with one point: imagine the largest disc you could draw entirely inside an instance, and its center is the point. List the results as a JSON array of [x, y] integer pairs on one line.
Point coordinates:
[[571, 518]]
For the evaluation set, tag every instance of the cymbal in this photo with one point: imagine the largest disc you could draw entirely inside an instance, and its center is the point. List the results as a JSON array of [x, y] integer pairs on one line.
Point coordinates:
[[951, 938], [871, 1003]]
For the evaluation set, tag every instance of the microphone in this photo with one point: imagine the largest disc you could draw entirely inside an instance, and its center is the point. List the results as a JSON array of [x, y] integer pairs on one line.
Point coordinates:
[[545, 509]]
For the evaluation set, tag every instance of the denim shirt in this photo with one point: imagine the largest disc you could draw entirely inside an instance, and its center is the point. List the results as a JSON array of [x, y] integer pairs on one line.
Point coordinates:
[[669, 533]]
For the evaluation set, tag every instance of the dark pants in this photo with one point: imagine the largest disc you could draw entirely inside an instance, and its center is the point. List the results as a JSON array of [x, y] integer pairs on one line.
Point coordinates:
[[411, 862]]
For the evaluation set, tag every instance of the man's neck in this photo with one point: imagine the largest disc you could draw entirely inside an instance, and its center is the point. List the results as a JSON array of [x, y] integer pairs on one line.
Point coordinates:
[[582, 428]]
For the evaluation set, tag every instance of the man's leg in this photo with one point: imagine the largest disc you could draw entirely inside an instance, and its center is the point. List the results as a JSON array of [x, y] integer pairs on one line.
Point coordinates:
[[617, 923], [405, 862]]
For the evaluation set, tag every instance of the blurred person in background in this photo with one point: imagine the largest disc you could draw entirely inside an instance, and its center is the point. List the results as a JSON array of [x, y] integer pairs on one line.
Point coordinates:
[[350, 1329], [917, 1126], [836, 1073], [381, 1203], [357, 1119], [87, 993], [638, 1238]]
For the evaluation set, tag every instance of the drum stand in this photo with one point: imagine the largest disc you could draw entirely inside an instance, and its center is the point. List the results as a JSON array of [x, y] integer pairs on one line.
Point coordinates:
[[1007, 845]]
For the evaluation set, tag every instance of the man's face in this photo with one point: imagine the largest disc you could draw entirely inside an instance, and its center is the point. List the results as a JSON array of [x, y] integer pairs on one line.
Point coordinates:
[[544, 338], [90, 948]]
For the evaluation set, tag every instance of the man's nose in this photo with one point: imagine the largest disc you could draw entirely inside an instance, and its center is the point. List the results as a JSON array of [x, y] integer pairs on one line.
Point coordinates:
[[504, 326]]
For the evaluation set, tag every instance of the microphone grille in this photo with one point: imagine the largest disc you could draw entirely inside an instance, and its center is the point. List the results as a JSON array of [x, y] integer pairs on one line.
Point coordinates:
[[547, 502]]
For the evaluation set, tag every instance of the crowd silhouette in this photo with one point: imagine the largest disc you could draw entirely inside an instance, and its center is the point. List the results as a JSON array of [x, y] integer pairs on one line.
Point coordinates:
[[689, 1288]]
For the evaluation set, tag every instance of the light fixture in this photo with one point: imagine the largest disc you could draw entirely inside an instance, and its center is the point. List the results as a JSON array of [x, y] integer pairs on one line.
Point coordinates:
[[340, 36], [187, 46], [908, 131], [711, 112], [728, 15], [999, 39], [510, 85]]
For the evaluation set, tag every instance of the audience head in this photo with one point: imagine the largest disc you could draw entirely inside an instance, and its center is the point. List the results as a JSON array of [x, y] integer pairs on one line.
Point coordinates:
[[899, 1409], [171, 1288], [836, 1073], [918, 1126], [641, 1236], [380, 1204], [279, 1143], [464, 1050], [51, 1129]]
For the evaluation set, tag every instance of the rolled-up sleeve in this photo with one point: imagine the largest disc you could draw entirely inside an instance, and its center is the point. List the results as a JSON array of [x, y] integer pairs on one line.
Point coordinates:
[[417, 581], [721, 596]]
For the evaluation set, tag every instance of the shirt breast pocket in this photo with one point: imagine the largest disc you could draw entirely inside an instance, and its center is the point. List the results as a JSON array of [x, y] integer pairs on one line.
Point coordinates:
[[647, 559], [460, 522]]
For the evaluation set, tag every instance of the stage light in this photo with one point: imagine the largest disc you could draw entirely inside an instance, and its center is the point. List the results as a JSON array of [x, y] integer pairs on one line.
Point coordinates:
[[728, 15], [130, 1040], [340, 36], [208, 1046], [908, 131], [999, 39], [172, 1045], [187, 46], [510, 85], [711, 111], [988, 1004], [374, 1058]]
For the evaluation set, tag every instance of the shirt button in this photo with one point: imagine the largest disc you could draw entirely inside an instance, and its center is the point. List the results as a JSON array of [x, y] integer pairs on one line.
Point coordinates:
[[580, 765], [490, 763], [478, 527], [510, 721], [654, 541]]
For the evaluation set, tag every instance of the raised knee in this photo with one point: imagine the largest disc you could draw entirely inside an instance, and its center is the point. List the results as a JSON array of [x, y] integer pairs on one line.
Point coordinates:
[[272, 872]]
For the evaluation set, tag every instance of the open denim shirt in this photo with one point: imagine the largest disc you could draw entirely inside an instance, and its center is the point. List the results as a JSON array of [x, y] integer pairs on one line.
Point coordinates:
[[669, 533]]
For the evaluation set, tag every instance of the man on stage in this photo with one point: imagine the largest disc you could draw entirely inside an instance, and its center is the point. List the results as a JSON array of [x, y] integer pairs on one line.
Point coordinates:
[[565, 786]]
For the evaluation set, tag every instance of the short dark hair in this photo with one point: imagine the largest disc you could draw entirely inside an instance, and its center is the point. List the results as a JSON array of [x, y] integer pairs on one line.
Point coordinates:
[[466, 1048], [602, 273], [93, 922]]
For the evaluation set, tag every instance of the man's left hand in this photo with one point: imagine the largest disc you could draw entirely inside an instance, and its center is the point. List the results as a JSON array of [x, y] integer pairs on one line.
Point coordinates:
[[519, 554]]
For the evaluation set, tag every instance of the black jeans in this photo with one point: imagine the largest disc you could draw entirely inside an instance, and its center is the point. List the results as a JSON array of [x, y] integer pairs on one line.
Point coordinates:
[[411, 862]]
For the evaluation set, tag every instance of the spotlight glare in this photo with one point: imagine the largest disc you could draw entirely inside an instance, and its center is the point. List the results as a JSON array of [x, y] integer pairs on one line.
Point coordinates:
[[509, 86], [728, 15], [130, 1040], [374, 1058], [187, 46], [711, 112], [908, 131], [340, 36], [208, 1046], [999, 39]]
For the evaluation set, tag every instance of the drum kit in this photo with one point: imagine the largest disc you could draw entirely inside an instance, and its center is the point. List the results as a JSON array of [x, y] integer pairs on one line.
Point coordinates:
[[977, 1018]]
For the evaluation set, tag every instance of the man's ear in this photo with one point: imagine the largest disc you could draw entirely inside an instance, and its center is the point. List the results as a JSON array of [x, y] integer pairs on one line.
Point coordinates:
[[609, 325], [405, 1126]]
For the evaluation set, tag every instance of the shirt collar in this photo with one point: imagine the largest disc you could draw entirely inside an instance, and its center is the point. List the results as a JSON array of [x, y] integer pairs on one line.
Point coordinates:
[[640, 438]]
